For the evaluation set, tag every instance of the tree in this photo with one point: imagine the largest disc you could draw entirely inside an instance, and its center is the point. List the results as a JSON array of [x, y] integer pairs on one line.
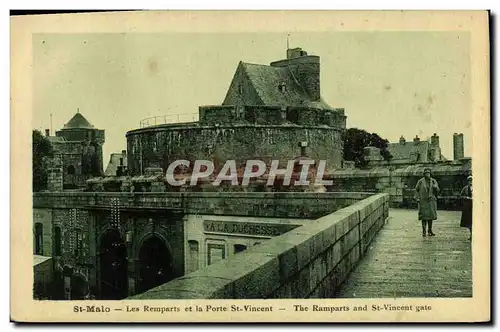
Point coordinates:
[[355, 140], [41, 150]]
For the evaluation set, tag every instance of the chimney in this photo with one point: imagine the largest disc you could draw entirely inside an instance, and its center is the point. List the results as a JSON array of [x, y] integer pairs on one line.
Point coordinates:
[[305, 69], [458, 146], [402, 140], [47, 132], [416, 140], [435, 140]]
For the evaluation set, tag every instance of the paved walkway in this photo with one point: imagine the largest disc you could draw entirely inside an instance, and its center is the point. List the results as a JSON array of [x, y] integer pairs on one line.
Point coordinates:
[[402, 263]]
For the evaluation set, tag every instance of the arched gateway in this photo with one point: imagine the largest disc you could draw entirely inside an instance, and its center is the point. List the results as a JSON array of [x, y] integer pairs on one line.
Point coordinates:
[[113, 266], [154, 263]]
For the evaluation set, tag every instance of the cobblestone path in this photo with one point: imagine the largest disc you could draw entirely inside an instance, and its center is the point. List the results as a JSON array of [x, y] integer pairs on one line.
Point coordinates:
[[402, 263]]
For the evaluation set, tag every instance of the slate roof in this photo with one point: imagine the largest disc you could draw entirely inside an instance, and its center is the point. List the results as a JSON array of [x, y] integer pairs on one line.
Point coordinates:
[[78, 121], [37, 259], [114, 162], [403, 150], [266, 81]]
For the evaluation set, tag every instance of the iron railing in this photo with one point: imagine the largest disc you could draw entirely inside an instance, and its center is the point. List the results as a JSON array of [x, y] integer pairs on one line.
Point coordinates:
[[168, 119]]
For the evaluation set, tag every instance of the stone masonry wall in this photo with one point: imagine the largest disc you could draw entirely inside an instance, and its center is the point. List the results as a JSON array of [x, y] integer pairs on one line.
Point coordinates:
[[158, 147], [399, 183], [268, 204], [311, 261], [74, 240], [82, 216]]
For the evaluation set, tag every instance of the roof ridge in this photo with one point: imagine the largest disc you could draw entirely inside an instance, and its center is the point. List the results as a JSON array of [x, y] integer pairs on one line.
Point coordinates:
[[256, 64], [78, 121], [251, 81], [264, 66]]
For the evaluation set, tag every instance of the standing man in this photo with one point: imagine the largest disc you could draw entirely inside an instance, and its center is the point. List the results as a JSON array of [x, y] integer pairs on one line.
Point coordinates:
[[426, 192]]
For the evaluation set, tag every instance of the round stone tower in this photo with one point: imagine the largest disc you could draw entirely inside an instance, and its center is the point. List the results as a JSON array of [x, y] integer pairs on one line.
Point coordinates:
[[267, 111]]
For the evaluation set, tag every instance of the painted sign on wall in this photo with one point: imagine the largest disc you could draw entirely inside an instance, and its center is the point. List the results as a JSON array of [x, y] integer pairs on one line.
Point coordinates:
[[246, 228]]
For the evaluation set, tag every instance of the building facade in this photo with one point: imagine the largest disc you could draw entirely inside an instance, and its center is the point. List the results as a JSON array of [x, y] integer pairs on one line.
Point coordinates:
[[417, 151]]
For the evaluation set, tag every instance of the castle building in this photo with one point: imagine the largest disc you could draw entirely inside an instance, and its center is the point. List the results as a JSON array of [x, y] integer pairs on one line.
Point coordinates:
[[77, 154], [268, 110], [112, 250]]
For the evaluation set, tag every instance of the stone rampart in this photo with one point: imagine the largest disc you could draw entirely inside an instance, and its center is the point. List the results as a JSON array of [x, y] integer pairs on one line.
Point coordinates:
[[311, 261]]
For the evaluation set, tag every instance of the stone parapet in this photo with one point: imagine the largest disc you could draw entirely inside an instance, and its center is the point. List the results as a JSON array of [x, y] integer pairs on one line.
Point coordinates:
[[271, 204], [399, 182], [311, 261]]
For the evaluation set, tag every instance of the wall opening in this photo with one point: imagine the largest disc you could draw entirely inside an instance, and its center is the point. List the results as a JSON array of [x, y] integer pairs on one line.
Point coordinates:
[[216, 252], [57, 241], [194, 251], [155, 264], [113, 266], [38, 238], [70, 170], [239, 248]]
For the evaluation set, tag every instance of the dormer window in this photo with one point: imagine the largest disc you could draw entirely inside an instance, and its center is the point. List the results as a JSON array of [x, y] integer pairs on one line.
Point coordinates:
[[282, 87]]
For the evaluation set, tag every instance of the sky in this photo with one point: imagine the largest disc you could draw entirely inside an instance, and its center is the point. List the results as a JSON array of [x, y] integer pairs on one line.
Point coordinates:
[[391, 83]]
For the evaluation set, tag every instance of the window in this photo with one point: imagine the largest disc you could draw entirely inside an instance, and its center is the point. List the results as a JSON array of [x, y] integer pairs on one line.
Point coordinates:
[[38, 238], [57, 241], [70, 170], [282, 87], [216, 252], [239, 248], [193, 256], [240, 89]]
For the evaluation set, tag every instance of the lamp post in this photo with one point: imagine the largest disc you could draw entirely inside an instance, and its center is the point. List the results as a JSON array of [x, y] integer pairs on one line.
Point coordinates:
[[303, 146]]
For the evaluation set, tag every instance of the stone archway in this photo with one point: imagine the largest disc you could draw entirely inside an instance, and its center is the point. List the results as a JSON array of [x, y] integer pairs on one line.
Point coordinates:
[[154, 263], [113, 266]]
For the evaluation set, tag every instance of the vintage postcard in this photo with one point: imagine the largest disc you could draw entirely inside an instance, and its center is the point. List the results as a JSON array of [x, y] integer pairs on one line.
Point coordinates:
[[251, 166]]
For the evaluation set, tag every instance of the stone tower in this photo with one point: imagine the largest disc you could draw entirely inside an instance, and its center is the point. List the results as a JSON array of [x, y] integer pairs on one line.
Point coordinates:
[[305, 69], [81, 150]]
